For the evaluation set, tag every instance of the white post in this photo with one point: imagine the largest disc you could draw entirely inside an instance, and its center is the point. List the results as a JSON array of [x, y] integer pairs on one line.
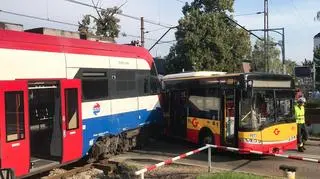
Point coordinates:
[[209, 159], [142, 175]]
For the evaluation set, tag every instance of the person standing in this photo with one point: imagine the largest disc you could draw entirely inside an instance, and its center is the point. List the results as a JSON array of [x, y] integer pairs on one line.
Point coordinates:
[[300, 120]]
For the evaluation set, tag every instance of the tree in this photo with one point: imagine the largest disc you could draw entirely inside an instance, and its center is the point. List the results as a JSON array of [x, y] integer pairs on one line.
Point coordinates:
[[306, 62], [318, 16], [290, 65], [258, 57], [207, 39], [316, 60], [105, 24]]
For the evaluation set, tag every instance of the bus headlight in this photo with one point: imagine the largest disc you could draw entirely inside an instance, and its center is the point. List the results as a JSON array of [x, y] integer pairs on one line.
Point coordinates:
[[292, 138]]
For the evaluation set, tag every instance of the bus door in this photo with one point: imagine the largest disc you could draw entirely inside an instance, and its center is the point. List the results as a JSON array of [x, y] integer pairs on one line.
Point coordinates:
[[178, 113], [71, 120], [14, 130], [228, 126]]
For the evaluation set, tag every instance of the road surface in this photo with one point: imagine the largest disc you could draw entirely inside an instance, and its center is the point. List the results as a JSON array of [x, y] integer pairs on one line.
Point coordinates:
[[267, 165]]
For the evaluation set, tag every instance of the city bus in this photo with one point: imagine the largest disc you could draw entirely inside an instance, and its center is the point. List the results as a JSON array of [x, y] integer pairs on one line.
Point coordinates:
[[250, 111]]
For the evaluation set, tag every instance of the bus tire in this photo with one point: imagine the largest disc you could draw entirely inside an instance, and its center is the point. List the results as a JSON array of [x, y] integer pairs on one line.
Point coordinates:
[[206, 137]]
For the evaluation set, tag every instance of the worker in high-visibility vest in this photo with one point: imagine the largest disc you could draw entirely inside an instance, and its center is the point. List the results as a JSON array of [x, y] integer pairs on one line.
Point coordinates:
[[300, 120]]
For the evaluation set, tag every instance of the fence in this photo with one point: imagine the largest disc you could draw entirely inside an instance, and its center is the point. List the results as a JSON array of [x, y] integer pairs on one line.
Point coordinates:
[[208, 146]]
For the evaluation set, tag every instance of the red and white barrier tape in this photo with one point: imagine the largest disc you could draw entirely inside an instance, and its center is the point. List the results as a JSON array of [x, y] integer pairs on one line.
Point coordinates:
[[232, 149], [268, 154], [169, 161]]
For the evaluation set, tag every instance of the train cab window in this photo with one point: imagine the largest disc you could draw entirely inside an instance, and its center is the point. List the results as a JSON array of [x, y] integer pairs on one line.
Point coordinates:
[[155, 85], [14, 113], [71, 108]]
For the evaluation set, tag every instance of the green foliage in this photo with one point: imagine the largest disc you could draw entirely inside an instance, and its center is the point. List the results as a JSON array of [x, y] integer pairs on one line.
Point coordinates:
[[230, 175], [318, 16], [316, 55], [306, 62], [290, 65], [258, 57], [207, 6], [207, 40], [316, 60], [105, 24]]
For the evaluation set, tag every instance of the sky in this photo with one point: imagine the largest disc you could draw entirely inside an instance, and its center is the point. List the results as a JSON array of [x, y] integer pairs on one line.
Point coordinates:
[[296, 16]]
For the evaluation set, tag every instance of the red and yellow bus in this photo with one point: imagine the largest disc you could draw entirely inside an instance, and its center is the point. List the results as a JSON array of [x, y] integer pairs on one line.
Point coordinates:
[[251, 111]]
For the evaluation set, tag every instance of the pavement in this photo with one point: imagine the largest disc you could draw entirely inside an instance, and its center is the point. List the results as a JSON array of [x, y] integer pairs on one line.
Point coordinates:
[[262, 165]]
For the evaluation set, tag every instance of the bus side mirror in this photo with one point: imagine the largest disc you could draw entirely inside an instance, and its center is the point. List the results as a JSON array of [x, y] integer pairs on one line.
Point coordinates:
[[7, 173]]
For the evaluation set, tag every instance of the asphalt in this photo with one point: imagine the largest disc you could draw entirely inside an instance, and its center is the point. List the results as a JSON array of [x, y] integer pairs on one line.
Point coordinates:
[[263, 165]]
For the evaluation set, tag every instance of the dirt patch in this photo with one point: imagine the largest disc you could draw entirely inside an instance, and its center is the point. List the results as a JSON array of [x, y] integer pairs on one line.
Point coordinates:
[[172, 171]]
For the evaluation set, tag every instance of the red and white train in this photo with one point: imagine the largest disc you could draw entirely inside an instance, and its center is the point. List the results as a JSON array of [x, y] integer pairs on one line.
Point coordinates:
[[63, 99]]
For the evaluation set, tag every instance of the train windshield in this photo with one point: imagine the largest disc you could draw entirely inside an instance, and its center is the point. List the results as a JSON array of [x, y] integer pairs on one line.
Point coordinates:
[[265, 107]]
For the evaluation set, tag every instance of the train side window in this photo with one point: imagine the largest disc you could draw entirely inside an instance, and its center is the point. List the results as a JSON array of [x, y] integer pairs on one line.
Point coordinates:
[[126, 85], [143, 78], [71, 97], [94, 89], [14, 111]]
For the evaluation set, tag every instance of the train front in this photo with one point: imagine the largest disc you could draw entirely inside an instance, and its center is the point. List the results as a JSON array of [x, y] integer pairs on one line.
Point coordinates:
[[266, 121]]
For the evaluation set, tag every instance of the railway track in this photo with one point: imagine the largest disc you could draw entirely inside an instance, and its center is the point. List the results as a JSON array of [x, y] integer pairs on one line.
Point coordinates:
[[105, 167]]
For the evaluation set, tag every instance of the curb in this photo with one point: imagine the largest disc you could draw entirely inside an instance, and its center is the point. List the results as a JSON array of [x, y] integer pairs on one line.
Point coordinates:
[[314, 138]]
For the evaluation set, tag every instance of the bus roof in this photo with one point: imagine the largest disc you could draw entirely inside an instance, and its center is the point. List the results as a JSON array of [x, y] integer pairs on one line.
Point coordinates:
[[216, 74], [190, 75]]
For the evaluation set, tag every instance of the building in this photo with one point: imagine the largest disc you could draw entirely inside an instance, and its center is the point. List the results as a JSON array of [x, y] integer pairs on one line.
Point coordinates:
[[11, 26]]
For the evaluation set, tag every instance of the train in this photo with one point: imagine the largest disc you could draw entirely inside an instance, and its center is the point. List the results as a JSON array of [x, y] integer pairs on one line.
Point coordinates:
[[64, 99]]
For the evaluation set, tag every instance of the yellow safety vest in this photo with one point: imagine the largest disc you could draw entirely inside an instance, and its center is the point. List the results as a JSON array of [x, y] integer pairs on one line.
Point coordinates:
[[299, 114]]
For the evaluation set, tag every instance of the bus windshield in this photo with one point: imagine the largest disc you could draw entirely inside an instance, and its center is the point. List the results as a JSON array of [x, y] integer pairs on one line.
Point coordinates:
[[265, 107]]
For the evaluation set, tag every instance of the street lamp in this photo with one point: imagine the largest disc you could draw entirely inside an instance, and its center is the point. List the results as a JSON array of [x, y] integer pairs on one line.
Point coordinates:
[[281, 43]]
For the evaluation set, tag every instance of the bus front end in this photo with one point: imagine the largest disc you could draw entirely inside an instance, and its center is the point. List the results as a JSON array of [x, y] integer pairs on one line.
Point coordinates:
[[266, 121]]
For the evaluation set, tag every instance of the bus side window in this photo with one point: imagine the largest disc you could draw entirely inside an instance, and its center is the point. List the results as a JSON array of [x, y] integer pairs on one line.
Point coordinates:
[[204, 103]]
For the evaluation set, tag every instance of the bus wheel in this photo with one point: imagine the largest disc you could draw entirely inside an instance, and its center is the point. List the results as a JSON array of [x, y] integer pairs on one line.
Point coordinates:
[[206, 137]]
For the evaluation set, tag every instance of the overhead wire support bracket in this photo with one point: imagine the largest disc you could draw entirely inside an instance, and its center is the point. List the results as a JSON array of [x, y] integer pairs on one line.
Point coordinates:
[[162, 37]]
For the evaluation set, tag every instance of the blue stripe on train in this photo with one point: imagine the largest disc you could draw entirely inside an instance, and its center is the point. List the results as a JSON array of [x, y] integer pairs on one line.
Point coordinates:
[[115, 124]]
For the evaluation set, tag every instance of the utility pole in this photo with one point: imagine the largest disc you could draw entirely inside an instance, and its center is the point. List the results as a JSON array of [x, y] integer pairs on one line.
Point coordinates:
[[314, 75], [142, 31], [284, 70], [266, 38]]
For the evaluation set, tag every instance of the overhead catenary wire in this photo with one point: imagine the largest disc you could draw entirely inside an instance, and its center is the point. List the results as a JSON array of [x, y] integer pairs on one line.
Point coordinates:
[[77, 25], [248, 14], [122, 14], [150, 39], [38, 18], [64, 23], [297, 12], [181, 1]]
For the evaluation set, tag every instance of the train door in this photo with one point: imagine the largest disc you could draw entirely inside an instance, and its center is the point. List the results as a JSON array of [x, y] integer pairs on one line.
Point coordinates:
[[71, 120], [228, 126], [14, 131]]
